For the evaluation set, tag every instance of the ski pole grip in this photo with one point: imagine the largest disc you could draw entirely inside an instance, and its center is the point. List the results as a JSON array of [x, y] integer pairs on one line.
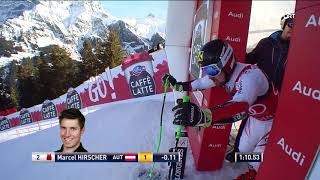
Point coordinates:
[[184, 99], [166, 85]]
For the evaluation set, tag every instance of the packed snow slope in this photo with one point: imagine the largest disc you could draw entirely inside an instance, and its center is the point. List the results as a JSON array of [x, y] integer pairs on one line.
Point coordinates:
[[127, 126]]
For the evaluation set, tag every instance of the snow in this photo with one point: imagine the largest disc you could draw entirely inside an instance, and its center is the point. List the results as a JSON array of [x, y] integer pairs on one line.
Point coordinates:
[[146, 27], [315, 172], [13, 9], [22, 55], [27, 129], [4, 61], [125, 126], [75, 11], [45, 41]]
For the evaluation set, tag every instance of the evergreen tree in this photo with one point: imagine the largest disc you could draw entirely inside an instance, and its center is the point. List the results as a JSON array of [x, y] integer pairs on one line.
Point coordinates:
[[12, 81], [80, 74], [27, 83], [5, 99], [56, 72], [44, 83], [114, 50], [91, 63], [62, 66], [102, 55], [76, 77], [6, 47]]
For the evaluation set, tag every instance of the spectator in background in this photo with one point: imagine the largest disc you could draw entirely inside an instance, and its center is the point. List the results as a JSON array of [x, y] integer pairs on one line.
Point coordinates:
[[271, 53], [72, 128]]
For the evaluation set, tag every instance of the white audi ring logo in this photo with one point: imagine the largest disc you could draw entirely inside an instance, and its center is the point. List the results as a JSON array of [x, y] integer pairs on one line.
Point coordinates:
[[257, 109], [275, 90]]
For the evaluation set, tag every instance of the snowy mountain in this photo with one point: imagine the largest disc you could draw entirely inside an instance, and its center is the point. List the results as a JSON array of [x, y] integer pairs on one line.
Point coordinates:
[[147, 27], [13, 9], [26, 26]]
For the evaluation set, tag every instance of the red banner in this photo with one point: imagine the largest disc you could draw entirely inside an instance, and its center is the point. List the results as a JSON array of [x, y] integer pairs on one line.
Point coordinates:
[[209, 145], [294, 136], [139, 75]]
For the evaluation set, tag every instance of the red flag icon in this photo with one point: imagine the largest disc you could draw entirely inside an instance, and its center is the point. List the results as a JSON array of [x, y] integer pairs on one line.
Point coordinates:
[[130, 157], [49, 158]]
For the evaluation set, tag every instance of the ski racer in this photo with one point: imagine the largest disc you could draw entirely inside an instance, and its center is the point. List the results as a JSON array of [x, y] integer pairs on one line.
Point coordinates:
[[252, 95], [270, 55]]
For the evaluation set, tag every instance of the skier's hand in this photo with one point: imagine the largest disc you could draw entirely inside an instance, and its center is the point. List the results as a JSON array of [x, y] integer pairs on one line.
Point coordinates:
[[177, 86], [171, 79], [189, 114]]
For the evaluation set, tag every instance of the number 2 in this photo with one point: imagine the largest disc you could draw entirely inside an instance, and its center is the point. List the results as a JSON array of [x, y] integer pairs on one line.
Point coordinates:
[[38, 157]]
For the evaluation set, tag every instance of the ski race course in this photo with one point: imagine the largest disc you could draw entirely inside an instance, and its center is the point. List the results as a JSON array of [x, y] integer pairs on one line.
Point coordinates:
[[126, 126]]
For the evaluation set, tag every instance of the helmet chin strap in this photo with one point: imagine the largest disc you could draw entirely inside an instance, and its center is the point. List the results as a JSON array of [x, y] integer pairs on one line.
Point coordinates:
[[228, 75]]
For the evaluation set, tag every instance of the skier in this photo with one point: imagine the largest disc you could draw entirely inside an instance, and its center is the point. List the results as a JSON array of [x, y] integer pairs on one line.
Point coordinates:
[[72, 124], [270, 55], [253, 95]]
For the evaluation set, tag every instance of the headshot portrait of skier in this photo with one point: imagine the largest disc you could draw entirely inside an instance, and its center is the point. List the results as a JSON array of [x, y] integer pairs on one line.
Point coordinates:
[[72, 124]]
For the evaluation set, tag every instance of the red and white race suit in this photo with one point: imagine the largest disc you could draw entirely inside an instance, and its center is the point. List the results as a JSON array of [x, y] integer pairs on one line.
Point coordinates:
[[249, 84]]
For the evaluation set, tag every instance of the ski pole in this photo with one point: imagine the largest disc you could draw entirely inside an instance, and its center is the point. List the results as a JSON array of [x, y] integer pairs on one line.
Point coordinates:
[[166, 86], [183, 148]]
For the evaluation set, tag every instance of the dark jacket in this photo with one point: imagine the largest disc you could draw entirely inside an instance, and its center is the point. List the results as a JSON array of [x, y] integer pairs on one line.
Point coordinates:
[[79, 149], [270, 55]]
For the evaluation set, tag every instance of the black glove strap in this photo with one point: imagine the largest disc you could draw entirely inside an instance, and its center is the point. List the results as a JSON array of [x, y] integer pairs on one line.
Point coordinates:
[[186, 86]]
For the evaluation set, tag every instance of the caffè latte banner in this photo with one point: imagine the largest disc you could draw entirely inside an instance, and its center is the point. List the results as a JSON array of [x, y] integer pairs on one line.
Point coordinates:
[[138, 76]]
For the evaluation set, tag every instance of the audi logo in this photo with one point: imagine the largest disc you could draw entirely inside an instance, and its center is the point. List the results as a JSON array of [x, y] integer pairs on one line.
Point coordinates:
[[257, 109]]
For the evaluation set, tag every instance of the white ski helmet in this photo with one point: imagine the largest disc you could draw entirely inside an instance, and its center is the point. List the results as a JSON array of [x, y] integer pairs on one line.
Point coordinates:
[[285, 19], [220, 54]]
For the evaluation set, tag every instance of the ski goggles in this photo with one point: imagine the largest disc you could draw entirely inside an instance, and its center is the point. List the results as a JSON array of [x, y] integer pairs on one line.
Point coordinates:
[[211, 70], [290, 23]]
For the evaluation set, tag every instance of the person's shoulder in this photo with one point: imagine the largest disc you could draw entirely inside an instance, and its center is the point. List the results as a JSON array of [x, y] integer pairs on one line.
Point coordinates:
[[249, 70], [59, 150], [242, 69], [275, 36], [80, 149], [264, 41], [83, 150]]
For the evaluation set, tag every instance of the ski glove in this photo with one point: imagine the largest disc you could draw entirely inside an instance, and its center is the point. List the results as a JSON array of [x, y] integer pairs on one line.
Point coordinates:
[[177, 86], [189, 114]]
